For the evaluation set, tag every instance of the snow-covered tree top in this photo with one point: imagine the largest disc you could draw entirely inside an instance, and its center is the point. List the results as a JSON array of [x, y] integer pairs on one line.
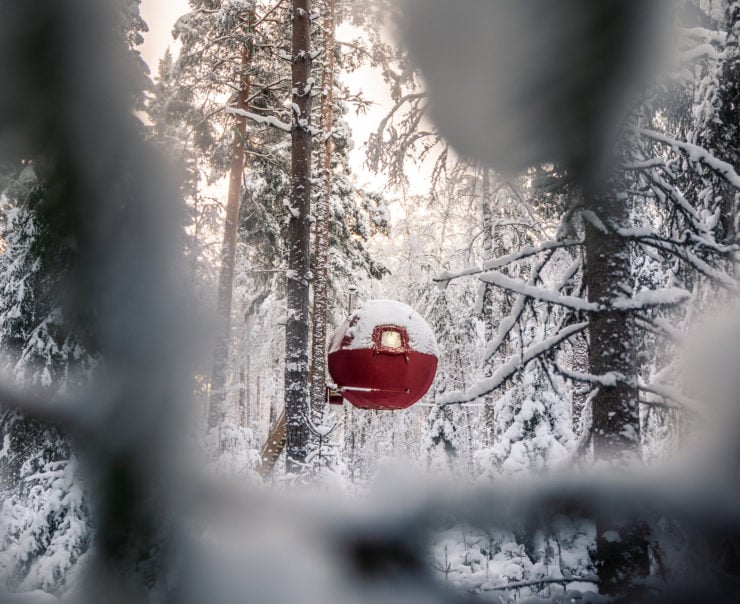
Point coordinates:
[[357, 331]]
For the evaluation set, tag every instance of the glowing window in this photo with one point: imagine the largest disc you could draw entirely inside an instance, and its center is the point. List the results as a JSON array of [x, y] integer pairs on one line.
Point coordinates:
[[391, 339]]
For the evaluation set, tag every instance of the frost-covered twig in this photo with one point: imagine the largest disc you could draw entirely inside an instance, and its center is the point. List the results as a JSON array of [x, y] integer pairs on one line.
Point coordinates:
[[374, 158]]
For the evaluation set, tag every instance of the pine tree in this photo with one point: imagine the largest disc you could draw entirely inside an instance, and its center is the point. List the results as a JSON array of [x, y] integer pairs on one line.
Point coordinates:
[[297, 327], [47, 345], [321, 214], [231, 224], [46, 525]]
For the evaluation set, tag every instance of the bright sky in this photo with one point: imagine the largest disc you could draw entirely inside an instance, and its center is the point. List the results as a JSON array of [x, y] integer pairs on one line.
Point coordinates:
[[160, 15]]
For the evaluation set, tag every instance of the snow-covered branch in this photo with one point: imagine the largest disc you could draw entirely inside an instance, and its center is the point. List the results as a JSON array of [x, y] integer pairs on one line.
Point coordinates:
[[670, 296], [546, 581], [608, 380], [524, 252], [269, 120], [508, 322], [660, 327], [688, 237], [669, 393], [668, 192], [717, 276], [697, 155], [508, 369], [538, 293], [708, 35], [701, 51]]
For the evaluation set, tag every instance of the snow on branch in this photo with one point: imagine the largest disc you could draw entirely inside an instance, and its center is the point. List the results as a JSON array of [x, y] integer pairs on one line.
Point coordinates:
[[509, 368], [713, 274], [660, 327], [696, 155], [703, 240], [521, 254], [645, 164], [709, 35], [270, 120], [569, 273], [508, 322], [701, 51], [667, 191], [670, 296], [669, 393], [546, 581], [591, 217], [676, 400], [505, 327], [607, 380], [538, 293]]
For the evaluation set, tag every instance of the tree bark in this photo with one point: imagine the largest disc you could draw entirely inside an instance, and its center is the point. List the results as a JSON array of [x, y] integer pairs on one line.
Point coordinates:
[[321, 214], [297, 326], [622, 546], [228, 250], [489, 322], [581, 391]]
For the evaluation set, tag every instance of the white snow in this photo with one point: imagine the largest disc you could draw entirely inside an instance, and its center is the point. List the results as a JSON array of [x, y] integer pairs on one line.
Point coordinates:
[[270, 120], [386, 312], [697, 155], [574, 302], [661, 297]]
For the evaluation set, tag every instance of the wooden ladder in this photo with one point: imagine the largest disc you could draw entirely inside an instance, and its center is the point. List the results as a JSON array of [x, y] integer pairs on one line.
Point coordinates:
[[273, 447]]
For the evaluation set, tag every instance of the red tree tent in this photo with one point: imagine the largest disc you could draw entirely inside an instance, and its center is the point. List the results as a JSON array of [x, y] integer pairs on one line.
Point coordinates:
[[384, 356]]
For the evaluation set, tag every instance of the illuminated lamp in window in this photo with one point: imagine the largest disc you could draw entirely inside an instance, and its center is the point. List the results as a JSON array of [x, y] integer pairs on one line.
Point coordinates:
[[390, 339], [378, 364]]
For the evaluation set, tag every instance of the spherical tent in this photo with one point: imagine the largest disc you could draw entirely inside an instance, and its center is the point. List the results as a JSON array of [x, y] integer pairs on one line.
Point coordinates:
[[384, 356]]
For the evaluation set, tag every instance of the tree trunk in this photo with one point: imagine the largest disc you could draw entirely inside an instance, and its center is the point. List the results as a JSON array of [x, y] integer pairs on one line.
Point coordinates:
[[321, 214], [622, 547], [489, 322], [581, 391], [296, 329], [243, 393], [228, 251]]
